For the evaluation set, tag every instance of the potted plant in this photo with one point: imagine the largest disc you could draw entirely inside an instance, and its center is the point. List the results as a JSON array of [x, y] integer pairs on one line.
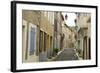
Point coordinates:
[[55, 51]]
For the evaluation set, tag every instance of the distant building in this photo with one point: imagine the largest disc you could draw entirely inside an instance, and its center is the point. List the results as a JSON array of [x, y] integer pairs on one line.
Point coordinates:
[[68, 34]]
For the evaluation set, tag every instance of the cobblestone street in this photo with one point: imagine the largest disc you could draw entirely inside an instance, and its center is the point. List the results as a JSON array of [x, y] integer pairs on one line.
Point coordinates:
[[66, 54]]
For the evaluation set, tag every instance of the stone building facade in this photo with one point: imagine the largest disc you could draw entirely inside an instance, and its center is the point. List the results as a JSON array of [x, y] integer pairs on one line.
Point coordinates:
[[84, 34], [37, 27]]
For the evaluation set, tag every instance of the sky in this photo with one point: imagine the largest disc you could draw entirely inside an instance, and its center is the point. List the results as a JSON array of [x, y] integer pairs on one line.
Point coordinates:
[[70, 19]]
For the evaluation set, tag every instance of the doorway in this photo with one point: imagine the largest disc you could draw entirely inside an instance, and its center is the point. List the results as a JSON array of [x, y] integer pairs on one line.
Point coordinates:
[[85, 47], [89, 48]]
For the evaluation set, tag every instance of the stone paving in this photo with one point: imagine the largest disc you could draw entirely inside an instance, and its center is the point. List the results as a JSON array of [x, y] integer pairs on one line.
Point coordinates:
[[66, 54]]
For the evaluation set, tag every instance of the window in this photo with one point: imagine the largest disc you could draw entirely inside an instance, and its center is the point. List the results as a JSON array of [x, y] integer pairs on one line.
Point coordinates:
[[32, 41], [51, 42]]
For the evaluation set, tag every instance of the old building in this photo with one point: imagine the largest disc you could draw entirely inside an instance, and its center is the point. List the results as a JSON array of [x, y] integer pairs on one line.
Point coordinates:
[[57, 30], [84, 34], [37, 28], [30, 29], [46, 34]]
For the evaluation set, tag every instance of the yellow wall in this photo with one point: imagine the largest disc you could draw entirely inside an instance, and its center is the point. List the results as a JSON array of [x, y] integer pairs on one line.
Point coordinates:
[[42, 23], [46, 26], [82, 23]]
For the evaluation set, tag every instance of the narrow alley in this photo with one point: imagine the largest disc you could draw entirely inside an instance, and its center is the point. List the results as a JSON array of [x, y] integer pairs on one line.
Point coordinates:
[[55, 36]]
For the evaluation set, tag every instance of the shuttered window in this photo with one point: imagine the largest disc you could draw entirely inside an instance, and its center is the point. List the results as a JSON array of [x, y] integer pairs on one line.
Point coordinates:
[[32, 40]]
